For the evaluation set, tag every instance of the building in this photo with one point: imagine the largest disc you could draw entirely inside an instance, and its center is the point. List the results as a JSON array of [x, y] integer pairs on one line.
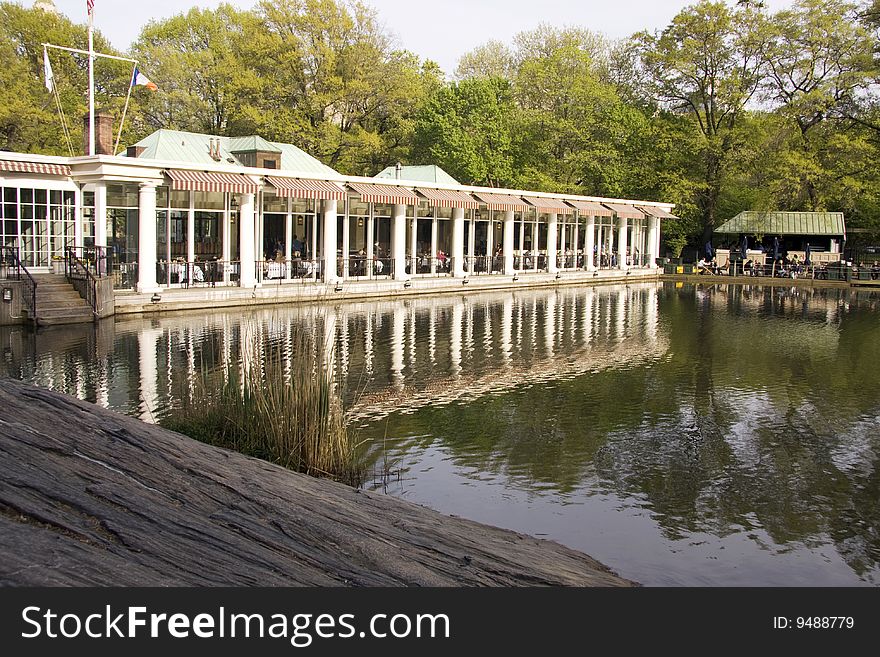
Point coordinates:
[[180, 209], [793, 232]]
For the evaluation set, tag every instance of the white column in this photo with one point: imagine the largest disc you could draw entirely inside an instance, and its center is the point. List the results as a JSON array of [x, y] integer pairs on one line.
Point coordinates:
[[147, 239], [490, 243], [458, 242], [653, 241], [288, 238], [413, 243], [621, 243], [78, 219], [563, 240], [590, 243], [100, 214], [328, 247], [522, 237], [552, 242], [472, 240], [191, 230], [246, 219], [398, 241], [577, 238], [508, 243], [434, 234], [371, 231], [535, 244], [346, 245]]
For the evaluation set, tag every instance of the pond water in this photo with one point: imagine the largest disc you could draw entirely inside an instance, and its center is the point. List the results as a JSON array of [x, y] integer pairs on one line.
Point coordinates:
[[683, 435]]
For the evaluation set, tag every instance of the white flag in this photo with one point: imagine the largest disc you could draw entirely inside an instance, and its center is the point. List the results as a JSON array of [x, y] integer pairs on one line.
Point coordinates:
[[47, 69]]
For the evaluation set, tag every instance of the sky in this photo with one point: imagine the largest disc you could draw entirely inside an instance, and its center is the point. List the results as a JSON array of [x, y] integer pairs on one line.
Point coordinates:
[[441, 30]]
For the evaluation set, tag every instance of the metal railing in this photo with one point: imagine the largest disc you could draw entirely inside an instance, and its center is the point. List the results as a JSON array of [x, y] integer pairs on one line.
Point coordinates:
[[81, 275], [125, 275], [12, 269], [358, 267], [209, 273], [94, 259], [425, 265], [295, 270]]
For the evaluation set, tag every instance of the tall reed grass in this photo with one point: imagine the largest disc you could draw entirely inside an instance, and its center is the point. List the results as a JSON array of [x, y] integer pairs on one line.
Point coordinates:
[[279, 403]]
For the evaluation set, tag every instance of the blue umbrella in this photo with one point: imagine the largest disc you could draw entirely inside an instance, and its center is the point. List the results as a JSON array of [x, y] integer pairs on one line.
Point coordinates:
[[775, 249], [744, 246], [807, 256]]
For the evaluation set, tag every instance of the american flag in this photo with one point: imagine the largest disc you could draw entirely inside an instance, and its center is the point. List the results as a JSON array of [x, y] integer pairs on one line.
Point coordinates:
[[91, 6]]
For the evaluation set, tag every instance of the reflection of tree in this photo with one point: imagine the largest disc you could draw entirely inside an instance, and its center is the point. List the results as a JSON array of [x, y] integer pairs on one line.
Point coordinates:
[[748, 422]]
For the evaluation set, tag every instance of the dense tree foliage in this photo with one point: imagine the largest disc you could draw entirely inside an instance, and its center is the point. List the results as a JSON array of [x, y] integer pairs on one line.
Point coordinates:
[[730, 107]]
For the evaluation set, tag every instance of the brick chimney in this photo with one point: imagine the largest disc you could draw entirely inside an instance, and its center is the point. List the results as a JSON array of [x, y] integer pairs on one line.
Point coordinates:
[[103, 134]]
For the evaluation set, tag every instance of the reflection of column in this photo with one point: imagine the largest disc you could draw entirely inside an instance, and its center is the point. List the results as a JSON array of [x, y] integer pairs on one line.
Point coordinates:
[[246, 223], [149, 373], [651, 314], [621, 243], [398, 335], [508, 243], [469, 329], [368, 341], [328, 248], [552, 243], [343, 341], [487, 330], [456, 328], [587, 323], [147, 239], [432, 334], [458, 242], [506, 328], [398, 241], [411, 342], [550, 324], [590, 243], [534, 326], [328, 346], [620, 315], [102, 385]]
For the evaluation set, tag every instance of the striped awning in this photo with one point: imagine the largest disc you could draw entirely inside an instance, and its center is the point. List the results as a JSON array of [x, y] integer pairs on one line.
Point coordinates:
[[592, 209], [448, 198], [306, 188], [202, 181], [553, 205], [653, 211], [391, 194], [625, 211], [504, 202], [42, 168]]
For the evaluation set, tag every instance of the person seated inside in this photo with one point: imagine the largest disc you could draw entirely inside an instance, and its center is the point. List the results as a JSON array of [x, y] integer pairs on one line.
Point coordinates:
[[703, 266]]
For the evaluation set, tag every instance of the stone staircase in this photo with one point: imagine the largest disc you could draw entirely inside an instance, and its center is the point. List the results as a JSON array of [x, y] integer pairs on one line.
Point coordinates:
[[59, 303]]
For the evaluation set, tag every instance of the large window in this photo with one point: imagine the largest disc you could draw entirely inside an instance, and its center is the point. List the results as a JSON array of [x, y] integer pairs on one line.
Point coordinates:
[[39, 222]]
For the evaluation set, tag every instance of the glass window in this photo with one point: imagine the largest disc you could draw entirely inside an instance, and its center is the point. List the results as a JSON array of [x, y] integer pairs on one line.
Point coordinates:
[[209, 200], [273, 203], [179, 198]]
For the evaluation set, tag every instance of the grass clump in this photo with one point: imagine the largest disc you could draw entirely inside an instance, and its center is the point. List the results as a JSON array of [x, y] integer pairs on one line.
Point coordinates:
[[281, 406]]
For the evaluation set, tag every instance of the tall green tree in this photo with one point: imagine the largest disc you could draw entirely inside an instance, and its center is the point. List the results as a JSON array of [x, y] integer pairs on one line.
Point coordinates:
[[708, 65], [467, 128], [819, 63]]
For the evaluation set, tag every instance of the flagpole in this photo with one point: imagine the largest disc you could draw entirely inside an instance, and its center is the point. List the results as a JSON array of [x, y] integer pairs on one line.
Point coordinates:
[[91, 83]]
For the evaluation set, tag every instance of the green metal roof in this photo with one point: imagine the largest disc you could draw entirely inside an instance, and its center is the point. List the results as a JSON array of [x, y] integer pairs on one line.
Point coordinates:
[[250, 144], [425, 173], [194, 148], [785, 223]]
